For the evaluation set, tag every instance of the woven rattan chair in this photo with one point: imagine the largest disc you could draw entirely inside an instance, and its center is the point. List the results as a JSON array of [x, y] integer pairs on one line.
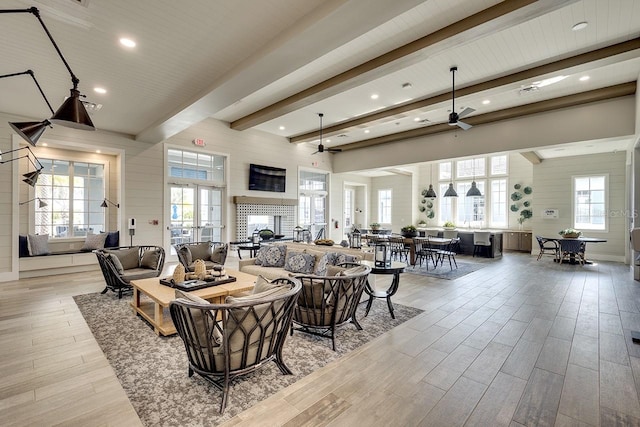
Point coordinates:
[[224, 341], [574, 249], [212, 253], [327, 302], [126, 263], [548, 247]]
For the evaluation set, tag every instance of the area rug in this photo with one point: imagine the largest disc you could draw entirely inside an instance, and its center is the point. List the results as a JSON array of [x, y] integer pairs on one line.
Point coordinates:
[[444, 271], [153, 369]]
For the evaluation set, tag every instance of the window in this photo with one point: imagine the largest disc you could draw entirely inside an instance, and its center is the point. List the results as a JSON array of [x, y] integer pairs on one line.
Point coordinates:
[[446, 204], [470, 168], [444, 171], [73, 192], [470, 209], [499, 165], [589, 205], [384, 206], [195, 166], [348, 208], [498, 198], [312, 193]]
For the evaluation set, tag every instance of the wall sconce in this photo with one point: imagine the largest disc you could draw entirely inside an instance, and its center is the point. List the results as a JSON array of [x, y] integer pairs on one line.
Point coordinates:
[[30, 177], [105, 201], [72, 112], [30, 131], [41, 204]]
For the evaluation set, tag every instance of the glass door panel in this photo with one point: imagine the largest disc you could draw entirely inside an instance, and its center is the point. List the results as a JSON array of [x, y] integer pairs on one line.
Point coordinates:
[[209, 214], [182, 215]]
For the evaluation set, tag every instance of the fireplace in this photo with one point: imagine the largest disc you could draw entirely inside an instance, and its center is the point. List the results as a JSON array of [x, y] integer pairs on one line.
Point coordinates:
[[255, 213]]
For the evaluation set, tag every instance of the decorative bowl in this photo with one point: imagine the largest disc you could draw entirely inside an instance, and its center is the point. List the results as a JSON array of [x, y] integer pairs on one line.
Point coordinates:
[[571, 235]]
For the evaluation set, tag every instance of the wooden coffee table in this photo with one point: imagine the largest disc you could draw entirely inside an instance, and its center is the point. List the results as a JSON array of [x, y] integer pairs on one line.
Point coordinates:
[[161, 296]]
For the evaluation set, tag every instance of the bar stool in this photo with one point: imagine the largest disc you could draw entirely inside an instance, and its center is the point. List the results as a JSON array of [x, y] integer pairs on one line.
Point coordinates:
[[481, 241]]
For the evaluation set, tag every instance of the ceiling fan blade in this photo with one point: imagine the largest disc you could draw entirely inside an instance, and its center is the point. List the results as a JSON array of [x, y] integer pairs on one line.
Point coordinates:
[[464, 125], [465, 112]]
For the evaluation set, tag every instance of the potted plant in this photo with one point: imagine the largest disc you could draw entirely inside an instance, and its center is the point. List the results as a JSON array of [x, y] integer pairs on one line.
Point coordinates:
[[409, 231], [374, 226], [422, 223], [570, 233], [448, 225]]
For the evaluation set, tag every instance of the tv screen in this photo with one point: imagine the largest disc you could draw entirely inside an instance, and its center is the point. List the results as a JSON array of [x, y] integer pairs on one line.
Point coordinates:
[[267, 178]]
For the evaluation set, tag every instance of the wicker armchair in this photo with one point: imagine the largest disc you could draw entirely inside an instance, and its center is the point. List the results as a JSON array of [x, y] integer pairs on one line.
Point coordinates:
[[327, 302], [224, 341], [123, 264], [212, 253]]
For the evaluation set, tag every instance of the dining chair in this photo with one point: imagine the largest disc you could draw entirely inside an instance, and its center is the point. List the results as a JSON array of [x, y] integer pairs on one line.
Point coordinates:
[[548, 247], [448, 251], [572, 248]]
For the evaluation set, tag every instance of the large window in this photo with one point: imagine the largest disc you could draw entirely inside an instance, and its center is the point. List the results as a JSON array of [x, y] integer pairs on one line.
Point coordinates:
[[73, 192], [384, 206], [488, 210], [589, 205], [196, 166]]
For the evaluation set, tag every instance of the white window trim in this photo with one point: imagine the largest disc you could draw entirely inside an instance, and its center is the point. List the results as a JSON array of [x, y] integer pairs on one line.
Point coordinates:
[[606, 202]]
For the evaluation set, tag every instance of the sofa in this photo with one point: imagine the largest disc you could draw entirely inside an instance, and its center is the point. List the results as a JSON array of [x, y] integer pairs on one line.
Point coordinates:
[[285, 259], [212, 253], [126, 263]]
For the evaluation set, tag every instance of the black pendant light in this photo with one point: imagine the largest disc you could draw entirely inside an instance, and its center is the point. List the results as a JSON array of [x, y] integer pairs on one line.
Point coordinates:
[[431, 193], [474, 191], [451, 192]]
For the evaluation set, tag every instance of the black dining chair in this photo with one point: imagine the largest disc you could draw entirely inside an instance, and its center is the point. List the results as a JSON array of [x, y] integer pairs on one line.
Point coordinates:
[[548, 247]]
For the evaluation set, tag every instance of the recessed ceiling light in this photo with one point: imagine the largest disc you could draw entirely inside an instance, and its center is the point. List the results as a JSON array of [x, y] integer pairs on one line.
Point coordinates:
[[98, 151], [580, 26], [367, 131], [375, 96], [44, 144], [127, 42], [100, 90], [327, 140], [584, 78], [417, 119], [281, 128], [486, 101]]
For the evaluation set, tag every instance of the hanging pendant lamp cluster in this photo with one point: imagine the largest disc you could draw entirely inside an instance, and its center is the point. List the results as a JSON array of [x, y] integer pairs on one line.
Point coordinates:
[[72, 113]]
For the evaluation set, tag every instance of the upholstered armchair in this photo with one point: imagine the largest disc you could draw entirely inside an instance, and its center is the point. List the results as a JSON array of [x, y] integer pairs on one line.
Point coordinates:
[[212, 253], [126, 263], [327, 302], [227, 340]]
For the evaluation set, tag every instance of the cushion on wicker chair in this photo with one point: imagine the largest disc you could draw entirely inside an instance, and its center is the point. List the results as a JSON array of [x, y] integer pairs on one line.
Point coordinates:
[[200, 251], [150, 259], [199, 319], [129, 258]]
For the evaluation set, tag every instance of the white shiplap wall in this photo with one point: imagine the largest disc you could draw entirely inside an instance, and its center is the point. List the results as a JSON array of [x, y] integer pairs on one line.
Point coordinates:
[[552, 183], [402, 196]]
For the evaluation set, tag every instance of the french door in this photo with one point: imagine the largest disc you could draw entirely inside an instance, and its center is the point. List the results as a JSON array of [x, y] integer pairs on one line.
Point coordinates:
[[195, 213]]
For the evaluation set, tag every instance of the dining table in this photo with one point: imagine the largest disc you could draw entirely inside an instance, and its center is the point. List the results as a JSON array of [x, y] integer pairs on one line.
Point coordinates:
[[572, 257]]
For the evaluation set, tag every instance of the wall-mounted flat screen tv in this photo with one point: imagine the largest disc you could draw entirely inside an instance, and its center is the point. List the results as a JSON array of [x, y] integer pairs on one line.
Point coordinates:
[[267, 178]]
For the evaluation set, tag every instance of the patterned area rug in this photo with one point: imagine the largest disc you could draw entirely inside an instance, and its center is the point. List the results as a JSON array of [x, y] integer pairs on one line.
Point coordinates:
[[444, 271], [153, 369]]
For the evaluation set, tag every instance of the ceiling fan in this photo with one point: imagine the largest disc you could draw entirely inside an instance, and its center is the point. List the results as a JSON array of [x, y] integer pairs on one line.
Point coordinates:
[[454, 117], [321, 148]]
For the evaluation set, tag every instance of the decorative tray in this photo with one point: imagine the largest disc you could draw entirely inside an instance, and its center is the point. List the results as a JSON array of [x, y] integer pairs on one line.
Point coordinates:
[[193, 285]]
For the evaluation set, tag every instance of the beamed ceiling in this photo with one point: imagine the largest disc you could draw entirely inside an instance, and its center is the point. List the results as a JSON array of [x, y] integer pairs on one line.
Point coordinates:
[[274, 65]]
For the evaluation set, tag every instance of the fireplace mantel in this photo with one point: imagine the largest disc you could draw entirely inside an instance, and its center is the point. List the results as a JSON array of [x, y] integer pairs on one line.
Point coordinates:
[[248, 200]]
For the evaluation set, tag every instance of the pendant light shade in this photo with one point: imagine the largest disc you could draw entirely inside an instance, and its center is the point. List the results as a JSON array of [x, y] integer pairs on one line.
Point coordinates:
[[73, 114], [32, 177], [451, 192], [431, 193], [474, 191], [30, 131]]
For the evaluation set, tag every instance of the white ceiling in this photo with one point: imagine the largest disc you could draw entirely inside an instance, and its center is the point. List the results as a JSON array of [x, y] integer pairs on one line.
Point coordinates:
[[228, 59]]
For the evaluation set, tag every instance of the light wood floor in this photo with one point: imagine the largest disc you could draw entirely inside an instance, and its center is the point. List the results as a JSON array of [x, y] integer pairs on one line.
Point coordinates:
[[519, 342]]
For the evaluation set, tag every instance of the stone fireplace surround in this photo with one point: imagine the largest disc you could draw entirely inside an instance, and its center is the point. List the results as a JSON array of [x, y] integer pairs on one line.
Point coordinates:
[[281, 212]]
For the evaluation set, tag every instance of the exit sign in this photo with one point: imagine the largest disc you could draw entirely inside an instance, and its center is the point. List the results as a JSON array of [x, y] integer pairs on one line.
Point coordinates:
[[198, 142]]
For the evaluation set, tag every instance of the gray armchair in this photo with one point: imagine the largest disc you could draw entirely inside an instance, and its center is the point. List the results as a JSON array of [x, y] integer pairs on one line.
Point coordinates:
[[224, 341], [327, 302], [123, 264], [212, 253]]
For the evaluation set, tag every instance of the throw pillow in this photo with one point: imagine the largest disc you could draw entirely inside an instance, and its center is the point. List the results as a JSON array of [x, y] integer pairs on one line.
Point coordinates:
[[116, 263], [38, 244], [94, 241], [321, 265], [273, 255], [129, 258], [186, 255], [198, 318], [342, 258], [150, 259], [112, 240], [263, 284], [353, 271], [219, 254], [299, 262], [200, 251], [23, 246]]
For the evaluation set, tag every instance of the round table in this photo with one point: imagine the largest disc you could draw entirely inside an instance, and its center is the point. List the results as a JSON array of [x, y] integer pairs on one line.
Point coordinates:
[[395, 268]]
